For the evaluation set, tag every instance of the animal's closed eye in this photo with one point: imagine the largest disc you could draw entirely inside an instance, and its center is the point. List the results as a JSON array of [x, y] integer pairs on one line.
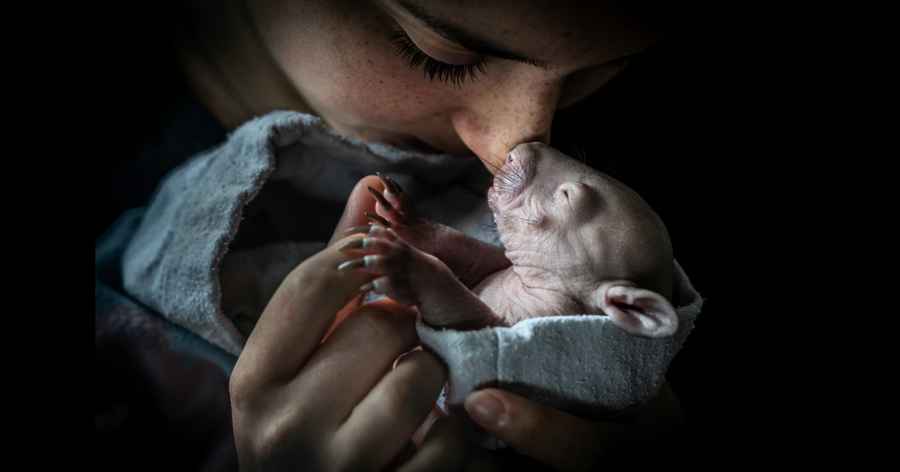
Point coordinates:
[[567, 190]]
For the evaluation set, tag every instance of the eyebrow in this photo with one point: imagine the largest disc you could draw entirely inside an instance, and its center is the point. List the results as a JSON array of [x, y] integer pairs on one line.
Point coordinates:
[[466, 39]]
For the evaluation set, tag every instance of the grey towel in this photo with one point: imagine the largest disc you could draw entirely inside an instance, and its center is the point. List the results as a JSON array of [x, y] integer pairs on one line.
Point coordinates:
[[581, 363], [174, 260], [289, 171]]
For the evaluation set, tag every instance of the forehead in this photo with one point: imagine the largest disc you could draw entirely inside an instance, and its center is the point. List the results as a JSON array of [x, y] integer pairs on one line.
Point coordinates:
[[561, 33]]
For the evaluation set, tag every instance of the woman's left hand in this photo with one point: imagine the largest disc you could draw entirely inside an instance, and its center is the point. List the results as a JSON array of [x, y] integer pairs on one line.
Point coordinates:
[[563, 441]]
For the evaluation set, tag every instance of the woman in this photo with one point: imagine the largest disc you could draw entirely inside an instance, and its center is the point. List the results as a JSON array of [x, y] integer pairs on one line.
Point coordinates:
[[456, 77]]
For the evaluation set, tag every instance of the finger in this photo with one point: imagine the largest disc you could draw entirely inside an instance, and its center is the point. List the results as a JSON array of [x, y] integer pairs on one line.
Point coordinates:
[[357, 248], [373, 263], [345, 368], [444, 448], [376, 255], [375, 218], [381, 200], [550, 436], [408, 452], [398, 202], [379, 231], [395, 197], [345, 312], [391, 286], [355, 230], [390, 184], [384, 422], [369, 245], [425, 428], [390, 206], [358, 203], [296, 319]]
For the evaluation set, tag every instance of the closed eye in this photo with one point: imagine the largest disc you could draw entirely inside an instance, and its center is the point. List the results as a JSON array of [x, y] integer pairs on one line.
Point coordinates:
[[456, 74]]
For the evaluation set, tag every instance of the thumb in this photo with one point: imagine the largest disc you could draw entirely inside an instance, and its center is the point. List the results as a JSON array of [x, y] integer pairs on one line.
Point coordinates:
[[550, 436], [358, 203]]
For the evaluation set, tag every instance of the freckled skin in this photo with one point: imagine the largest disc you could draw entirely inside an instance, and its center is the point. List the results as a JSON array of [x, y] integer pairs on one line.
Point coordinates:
[[566, 228], [335, 59]]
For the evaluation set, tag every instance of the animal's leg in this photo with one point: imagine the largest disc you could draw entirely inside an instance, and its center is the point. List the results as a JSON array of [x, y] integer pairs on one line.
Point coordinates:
[[411, 276], [470, 259]]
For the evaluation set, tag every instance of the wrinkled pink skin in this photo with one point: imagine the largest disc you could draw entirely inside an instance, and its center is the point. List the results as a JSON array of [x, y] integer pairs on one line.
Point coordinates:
[[576, 241]]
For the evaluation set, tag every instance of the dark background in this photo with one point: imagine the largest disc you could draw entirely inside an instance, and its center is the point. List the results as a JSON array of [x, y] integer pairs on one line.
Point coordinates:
[[681, 126]]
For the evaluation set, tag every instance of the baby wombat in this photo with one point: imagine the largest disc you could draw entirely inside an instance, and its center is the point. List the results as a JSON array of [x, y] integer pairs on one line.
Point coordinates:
[[576, 242]]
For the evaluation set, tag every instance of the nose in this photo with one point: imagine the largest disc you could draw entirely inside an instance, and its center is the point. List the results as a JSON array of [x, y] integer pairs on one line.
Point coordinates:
[[516, 109]]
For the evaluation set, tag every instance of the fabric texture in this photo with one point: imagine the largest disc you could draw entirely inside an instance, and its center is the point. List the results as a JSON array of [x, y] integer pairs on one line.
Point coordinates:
[[579, 363], [291, 176]]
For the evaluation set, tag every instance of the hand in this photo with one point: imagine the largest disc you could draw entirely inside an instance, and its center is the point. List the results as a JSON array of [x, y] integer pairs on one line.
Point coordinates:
[[299, 402], [563, 441]]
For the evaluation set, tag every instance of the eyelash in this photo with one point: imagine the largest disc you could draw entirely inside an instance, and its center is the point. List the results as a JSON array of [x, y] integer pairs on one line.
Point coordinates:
[[456, 74]]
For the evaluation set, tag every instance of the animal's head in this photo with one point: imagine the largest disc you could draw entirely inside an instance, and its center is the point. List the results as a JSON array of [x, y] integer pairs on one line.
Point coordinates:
[[568, 228]]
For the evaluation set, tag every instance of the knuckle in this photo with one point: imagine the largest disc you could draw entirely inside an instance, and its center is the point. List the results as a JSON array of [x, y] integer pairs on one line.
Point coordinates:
[[272, 443], [242, 391], [267, 441], [280, 441]]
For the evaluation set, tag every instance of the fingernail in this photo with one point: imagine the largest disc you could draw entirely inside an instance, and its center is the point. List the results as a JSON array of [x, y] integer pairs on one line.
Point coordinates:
[[351, 264], [366, 287], [392, 185], [353, 244], [377, 218], [370, 260], [356, 229], [383, 201], [487, 410]]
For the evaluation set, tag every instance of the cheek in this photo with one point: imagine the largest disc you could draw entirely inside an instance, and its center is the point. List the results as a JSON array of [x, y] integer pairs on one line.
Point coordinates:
[[363, 91]]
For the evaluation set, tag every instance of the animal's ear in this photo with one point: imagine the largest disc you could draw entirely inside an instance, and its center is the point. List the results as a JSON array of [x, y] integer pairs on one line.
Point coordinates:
[[638, 311]]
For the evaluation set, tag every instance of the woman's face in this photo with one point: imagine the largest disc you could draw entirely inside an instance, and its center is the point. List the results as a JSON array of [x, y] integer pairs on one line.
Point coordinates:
[[461, 76]]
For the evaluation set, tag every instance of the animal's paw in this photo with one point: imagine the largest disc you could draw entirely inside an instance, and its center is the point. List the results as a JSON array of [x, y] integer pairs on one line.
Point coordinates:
[[392, 209], [394, 264]]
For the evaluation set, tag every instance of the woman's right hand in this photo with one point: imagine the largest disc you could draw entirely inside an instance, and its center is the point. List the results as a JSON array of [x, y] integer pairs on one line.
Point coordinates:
[[299, 402]]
